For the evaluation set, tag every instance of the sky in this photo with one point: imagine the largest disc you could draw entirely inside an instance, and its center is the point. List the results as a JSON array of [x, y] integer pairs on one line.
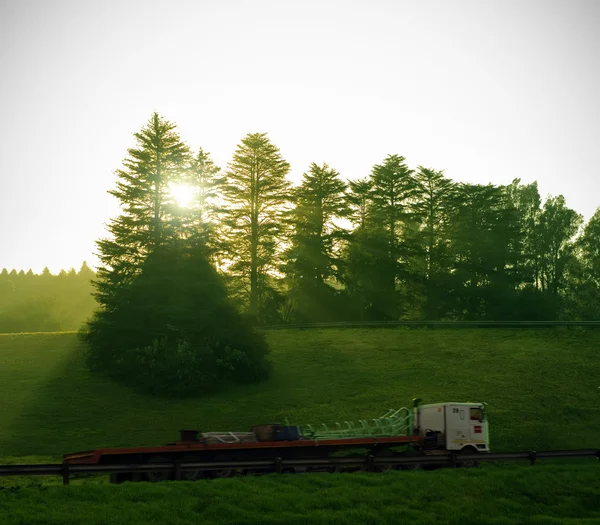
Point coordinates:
[[487, 91]]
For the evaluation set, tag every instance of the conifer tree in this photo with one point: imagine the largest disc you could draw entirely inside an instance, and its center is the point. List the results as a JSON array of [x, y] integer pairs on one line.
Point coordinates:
[[358, 199], [256, 191], [201, 218], [158, 158], [314, 257], [393, 188], [433, 206]]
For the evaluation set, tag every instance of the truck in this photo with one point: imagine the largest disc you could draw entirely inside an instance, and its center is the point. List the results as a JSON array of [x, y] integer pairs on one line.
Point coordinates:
[[424, 429]]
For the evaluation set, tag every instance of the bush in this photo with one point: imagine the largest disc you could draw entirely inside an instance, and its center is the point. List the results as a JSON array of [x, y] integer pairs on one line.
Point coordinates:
[[174, 332]]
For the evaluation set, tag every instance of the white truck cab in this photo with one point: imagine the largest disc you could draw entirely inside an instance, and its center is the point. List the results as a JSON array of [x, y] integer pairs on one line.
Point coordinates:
[[453, 426]]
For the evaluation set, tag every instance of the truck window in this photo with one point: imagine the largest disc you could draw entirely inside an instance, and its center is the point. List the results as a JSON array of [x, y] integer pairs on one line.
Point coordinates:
[[476, 414]]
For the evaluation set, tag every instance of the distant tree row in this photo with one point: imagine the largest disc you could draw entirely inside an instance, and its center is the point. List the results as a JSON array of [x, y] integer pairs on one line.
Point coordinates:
[[44, 302]]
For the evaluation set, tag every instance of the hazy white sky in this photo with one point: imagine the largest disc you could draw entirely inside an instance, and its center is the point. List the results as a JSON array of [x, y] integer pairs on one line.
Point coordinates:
[[486, 90]]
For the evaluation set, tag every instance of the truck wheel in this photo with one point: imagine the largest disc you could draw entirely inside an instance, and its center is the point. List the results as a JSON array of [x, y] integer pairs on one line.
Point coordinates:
[[468, 463]]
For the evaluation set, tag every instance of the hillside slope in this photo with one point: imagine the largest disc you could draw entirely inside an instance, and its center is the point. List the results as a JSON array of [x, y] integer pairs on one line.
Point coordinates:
[[541, 386]]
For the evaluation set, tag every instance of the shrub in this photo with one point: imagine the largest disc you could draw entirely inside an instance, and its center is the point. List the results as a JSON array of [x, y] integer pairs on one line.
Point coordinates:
[[174, 332]]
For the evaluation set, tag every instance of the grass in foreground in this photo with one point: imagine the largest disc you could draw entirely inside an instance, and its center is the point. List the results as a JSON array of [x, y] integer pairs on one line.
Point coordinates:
[[541, 495], [542, 387]]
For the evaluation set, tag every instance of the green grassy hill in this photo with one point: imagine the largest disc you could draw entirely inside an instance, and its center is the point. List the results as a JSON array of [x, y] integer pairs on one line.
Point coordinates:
[[542, 388]]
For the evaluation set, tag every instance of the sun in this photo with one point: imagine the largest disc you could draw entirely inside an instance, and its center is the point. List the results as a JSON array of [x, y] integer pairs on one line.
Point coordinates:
[[182, 193]]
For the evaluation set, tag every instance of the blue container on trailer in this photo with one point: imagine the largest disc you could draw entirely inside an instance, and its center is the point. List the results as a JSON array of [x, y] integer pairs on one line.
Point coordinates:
[[286, 433]]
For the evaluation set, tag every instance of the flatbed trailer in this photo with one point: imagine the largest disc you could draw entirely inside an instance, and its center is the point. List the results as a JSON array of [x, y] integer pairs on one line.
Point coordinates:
[[431, 429], [201, 452]]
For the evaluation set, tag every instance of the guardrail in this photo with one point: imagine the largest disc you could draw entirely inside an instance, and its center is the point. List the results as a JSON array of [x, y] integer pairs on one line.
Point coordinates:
[[433, 324], [279, 465]]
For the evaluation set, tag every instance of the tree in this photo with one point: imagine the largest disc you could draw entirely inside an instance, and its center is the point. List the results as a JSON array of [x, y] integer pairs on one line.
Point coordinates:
[[377, 254], [85, 272], [433, 205], [582, 282], [358, 199], [392, 188], [370, 297], [589, 244], [484, 232], [558, 225], [176, 333], [256, 191], [201, 217], [526, 200], [314, 258], [158, 159]]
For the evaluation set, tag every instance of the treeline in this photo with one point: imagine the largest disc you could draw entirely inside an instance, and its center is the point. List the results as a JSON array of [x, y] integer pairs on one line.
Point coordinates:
[[44, 302], [400, 243]]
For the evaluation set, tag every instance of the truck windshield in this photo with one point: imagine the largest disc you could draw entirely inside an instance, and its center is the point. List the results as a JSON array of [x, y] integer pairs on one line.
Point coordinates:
[[476, 413]]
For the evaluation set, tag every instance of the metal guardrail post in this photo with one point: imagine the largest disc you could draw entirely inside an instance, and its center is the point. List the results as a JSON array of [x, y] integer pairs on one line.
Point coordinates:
[[370, 462], [532, 457], [278, 466], [65, 473]]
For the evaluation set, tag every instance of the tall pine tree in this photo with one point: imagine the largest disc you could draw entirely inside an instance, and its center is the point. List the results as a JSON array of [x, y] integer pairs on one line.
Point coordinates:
[[314, 257], [201, 217], [256, 192], [159, 158], [433, 207], [393, 188]]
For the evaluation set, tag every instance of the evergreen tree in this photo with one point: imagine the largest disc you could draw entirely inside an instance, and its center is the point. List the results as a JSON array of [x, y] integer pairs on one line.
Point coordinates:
[[158, 159], [85, 272], [358, 199], [393, 188], [370, 298], [314, 257], [484, 233], [202, 216], [434, 204], [176, 332], [256, 192]]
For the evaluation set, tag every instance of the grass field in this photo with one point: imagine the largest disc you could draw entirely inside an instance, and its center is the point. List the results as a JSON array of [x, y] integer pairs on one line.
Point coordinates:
[[542, 388], [538, 495]]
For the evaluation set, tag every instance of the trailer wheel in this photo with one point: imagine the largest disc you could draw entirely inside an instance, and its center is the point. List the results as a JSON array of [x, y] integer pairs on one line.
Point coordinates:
[[191, 475], [158, 475], [221, 473], [468, 463]]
